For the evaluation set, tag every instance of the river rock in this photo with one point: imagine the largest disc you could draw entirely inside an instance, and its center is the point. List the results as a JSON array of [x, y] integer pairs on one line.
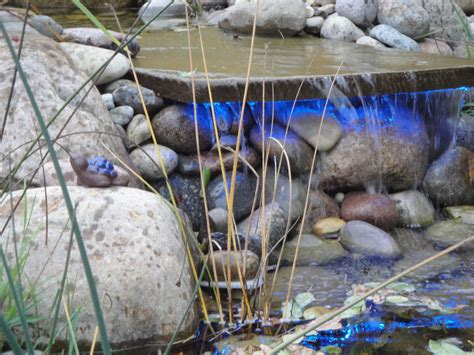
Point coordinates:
[[46, 26], [313, 25], [445, 181], [186, 191], [275, 17], [376, 209], [360, 12], [312, 251], [108, 101], [363, 238], [465, 130], [174, 127], [148, 165], [136, 253], [138, 130], [447, 19], [300, 154], [355, 162], [114, 85], [320, 206], [153, 7], [97, 38], [463, 214], [129, 95], [392, 38], [369, 41], [406, 16], [189, 164], [341, 28], [219, 242], [275, 220], [447, 233], [53, 80], [245, 190], [236, 262], [414, 209], [122, 115], [306, 124], [280, 192], [432, 46], [330, 225], [325, 10]]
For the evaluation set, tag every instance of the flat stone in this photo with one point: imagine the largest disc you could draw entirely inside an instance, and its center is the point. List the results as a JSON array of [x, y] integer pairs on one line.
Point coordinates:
[[136, 253], [414, 209], [328, 226], [463, 214], [392, 38], [363, 238], [341, 28], [406, 16], [89, 59], [376, 209], [447, 233], [147, 163], [445, 181], [312, 251]]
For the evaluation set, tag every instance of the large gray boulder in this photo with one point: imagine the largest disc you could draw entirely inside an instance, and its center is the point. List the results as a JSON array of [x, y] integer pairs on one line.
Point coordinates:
[[275, 17], [361, 12], [136, 252], [53, 78], [342, 29], [406, 16]]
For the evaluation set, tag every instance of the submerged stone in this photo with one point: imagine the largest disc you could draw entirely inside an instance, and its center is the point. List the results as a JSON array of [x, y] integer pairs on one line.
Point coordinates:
[[447, 233], [414, 209], [464, 214]]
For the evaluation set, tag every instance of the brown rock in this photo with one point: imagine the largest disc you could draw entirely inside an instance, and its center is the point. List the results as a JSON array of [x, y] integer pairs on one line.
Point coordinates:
[[376, 209], [251, 260]]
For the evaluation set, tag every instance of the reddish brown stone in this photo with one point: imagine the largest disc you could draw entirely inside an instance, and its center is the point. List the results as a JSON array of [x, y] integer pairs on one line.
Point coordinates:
[[377, 209]]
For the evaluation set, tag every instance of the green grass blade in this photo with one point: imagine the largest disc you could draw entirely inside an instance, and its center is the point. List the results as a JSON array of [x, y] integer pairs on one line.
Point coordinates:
[[67, 198], [18, 302], [10, 336]]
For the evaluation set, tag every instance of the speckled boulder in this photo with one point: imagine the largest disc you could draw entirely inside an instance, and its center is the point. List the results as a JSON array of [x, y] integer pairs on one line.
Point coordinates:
[[137, 257], [407, 16], [361, 12], [341, 28], [393, 38]]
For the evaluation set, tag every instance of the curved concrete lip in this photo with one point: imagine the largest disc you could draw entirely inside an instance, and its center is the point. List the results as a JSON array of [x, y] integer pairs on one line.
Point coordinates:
[[282, 67]]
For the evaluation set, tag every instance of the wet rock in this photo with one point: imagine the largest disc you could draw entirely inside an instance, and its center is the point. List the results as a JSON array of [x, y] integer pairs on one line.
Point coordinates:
[[320, 206], [218, 220], [433, 46], [114, 85], [130, 96], [247, 121], [307, 125], [108, 101], [399, 161], [97, 38], [147, 163], [275, 220], [392, 38], [414, 209], [227, 141], [313, 25], [341, 28], [406, 16], [237, 260], [363, 238], [89, 59], [376, 209], [328, 225], [138, 130], [369, 41], [46, 26], [153, 7], [360, 12], [254, 244], [325, 10], [447, 233], [132, 239], [299, 153], [186, 191], [281, 192], [445, 181], [53, 80], [189, 164], [465, 132], [275, 17], [245, 190], [447, 19], [122, 115], [312, 251], [463, 214], [174, 127]]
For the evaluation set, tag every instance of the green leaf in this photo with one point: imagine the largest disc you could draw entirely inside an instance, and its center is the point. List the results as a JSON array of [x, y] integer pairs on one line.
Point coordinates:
[[440, 347], [401, 287], [331, 350], [206, 177], [357, 309], [291, 310], [304, 299]]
